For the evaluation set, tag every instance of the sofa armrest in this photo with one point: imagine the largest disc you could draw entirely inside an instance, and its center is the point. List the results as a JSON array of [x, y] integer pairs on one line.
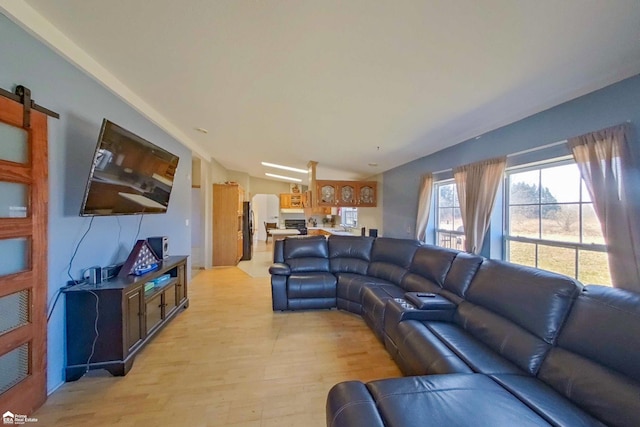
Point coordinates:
[[398, 310], [280, 269], [429, 301]]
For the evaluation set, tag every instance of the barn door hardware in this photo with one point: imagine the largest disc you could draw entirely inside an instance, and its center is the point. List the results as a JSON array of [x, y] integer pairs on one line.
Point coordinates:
[[23, 96]]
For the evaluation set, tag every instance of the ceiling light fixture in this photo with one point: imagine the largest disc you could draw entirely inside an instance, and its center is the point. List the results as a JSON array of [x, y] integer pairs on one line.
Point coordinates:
[[202, 130], [283, 177], [373, 165], [287, 168]]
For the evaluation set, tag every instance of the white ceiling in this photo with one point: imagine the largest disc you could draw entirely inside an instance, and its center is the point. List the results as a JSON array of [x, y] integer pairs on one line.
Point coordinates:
[[342, 82]]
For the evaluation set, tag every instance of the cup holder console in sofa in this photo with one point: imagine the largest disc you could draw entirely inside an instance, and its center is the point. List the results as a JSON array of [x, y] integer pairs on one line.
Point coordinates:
[[482, 342]]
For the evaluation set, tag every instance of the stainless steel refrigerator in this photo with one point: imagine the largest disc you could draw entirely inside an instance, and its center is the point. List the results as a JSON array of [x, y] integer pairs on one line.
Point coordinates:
[[247, 231]]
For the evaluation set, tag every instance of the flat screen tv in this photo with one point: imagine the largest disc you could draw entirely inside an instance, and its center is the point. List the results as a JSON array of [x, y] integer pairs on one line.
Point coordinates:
[[129, 175]]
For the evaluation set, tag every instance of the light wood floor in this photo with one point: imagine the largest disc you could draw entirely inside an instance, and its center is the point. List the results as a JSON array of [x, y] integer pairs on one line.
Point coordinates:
[[228, 360]]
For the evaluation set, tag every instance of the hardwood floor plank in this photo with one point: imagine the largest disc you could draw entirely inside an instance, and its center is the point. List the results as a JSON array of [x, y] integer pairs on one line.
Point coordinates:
[[228, 360]]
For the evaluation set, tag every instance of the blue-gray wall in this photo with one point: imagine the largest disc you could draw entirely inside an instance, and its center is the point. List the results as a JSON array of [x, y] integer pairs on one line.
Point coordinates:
[[606, 107], [82, 103]]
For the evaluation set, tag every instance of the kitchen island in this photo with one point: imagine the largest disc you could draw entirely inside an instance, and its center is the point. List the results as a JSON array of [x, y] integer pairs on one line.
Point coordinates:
[[328, 231], [281, 233]]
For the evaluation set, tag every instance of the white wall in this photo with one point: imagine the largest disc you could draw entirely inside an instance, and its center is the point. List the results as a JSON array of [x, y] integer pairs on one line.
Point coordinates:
[[265, 208]]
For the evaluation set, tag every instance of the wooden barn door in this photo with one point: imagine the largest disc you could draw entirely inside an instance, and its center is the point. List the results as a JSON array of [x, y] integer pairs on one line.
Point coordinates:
[[23, 257]]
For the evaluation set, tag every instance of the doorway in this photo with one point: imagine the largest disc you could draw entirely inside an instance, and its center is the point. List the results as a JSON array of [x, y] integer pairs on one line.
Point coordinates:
[[266, 208]]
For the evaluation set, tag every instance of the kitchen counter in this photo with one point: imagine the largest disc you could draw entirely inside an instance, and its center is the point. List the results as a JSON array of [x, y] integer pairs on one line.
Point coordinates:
[[281, 233], [330, 230]]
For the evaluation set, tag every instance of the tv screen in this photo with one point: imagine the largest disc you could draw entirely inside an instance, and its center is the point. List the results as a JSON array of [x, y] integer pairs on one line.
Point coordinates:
[[129, 175]]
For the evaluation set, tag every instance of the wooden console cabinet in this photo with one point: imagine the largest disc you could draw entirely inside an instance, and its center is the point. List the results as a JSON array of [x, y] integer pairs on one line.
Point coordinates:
[[128, 318]]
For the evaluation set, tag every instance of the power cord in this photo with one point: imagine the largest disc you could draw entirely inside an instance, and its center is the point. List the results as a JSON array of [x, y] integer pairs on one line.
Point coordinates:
[[135, 239], [95, 328], [76, 250], [72, 281]]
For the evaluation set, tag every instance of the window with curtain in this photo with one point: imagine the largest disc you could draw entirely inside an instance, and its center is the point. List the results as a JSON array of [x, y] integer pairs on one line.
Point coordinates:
[[550, 222], [449, 229]]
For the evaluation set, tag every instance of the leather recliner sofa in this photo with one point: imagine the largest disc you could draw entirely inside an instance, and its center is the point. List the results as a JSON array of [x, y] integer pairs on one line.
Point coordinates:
[[483, 342]]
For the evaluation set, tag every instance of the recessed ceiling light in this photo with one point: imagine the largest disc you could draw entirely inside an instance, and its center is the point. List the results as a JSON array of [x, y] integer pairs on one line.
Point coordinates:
[[373, 165], [283, 177], [287, 168], [202, 130]]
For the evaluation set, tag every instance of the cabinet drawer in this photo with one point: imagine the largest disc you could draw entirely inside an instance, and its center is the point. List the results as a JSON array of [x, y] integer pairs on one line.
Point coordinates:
[[153, 312]]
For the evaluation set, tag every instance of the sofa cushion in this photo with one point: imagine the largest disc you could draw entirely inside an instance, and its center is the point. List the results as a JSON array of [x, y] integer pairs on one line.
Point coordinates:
[[545, 401], [350, 285], [428, 269], [449, 400], [349, 254], [595, 363], [421, 352], [536, 300], [472, 351], [391, 258], [517, 311], [463, 269], [306, 254], [505, 338], [311, 285]]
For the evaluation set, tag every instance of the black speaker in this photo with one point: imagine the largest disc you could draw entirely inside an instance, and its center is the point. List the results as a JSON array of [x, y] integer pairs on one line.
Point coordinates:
[[159, 245]]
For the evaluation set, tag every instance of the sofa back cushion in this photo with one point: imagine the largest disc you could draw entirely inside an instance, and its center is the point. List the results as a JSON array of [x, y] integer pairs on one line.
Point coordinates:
[[596, 361], [350, 254], [306, 254], [517, 310], [428, 269], [391, 258], [463, 269]]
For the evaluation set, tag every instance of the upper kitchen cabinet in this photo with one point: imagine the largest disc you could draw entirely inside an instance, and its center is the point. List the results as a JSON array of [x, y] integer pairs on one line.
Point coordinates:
[[291, 200], [327, 193], [347, 193], [366, 194]]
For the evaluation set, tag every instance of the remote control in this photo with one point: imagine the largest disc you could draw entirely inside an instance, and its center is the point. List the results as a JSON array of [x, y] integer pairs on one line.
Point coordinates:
[[145, 269]]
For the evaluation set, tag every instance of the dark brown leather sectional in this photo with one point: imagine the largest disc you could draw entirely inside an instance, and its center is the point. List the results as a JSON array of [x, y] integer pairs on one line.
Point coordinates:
[[481, 342]]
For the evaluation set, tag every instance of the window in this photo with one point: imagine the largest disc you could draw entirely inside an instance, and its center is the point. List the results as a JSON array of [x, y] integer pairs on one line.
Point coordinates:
[[550, 223], [449, 229], [350, 217]]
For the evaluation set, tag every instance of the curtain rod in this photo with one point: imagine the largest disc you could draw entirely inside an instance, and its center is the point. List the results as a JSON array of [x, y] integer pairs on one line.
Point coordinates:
[[529, 150]]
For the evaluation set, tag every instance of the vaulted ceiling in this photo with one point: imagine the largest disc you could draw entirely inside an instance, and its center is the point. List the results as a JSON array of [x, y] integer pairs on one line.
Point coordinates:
[[346, 83]]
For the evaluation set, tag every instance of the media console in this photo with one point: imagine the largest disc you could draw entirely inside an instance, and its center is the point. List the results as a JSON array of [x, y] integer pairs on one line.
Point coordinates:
[[128, 317]]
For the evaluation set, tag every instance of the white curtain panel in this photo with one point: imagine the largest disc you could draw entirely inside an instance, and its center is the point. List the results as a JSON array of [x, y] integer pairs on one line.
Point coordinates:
[[424, 205], [477, 186], [605, 164]]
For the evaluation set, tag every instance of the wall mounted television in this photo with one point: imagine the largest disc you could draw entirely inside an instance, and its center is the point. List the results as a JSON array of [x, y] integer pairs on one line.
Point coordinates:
[[129, 175]]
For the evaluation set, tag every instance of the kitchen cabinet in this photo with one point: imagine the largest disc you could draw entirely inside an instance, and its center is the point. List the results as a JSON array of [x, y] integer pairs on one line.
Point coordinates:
[[327, 193], [366, 194], [346, 193], [291, 200], [318, 232]]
